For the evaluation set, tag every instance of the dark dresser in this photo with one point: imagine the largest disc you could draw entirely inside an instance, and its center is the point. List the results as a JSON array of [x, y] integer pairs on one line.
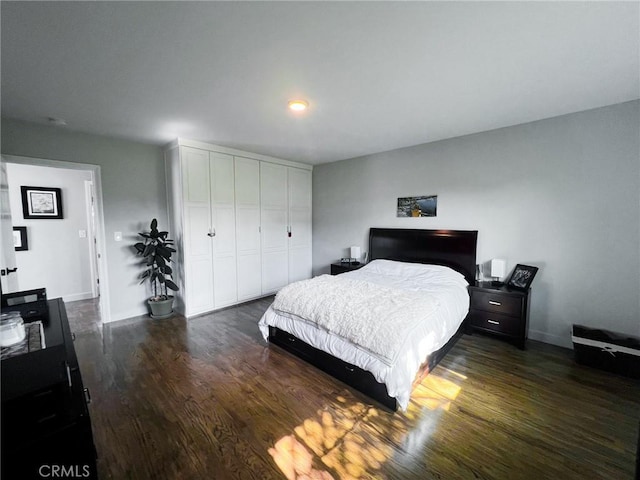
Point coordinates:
[[499, 311], [46, 429]]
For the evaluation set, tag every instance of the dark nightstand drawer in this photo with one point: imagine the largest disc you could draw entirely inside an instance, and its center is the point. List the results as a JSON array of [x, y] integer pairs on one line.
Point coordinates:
[[496, 322], [496, 309], [496, 303]]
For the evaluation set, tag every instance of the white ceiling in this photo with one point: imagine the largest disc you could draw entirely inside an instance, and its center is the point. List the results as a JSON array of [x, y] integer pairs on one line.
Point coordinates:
[[377, 75]]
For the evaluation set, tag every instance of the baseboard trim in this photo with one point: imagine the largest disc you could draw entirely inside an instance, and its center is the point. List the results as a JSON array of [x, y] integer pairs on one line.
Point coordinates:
[[559, 340], [128, 315], [77, 296]]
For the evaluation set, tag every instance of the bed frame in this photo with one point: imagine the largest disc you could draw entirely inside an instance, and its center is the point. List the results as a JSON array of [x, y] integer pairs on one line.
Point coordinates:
[[453, 248]]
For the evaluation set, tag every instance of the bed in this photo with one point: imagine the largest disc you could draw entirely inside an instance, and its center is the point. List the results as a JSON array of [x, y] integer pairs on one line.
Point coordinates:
[[405, 264]]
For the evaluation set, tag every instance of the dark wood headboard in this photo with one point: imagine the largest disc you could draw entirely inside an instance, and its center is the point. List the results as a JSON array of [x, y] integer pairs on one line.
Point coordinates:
[[453, 248]]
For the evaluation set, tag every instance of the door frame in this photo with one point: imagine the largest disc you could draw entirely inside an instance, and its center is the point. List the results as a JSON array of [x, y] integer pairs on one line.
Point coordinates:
[[94, 170], [89, 198]]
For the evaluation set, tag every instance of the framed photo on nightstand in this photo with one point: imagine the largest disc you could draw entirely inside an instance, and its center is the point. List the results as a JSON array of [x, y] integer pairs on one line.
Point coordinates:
[[522, 277]]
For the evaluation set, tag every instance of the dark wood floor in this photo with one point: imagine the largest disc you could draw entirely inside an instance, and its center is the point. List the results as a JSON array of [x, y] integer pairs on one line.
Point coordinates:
[[209, 399]]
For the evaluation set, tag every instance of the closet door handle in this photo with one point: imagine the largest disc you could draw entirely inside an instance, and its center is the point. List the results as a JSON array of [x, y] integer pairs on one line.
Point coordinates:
[[212, 233]]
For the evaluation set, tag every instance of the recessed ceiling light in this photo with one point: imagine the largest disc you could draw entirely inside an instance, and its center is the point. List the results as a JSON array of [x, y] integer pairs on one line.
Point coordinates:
[[298, 105]]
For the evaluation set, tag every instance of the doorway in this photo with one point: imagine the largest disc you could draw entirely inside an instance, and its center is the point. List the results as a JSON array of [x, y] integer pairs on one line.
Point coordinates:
[[67, 255]]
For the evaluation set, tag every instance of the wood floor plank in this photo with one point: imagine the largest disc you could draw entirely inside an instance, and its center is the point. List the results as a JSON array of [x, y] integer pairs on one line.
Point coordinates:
[[208, 398]]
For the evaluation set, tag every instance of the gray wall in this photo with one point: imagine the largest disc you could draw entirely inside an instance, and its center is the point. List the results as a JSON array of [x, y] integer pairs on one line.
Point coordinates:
[[562, 194], [133, 189], [38, 266]]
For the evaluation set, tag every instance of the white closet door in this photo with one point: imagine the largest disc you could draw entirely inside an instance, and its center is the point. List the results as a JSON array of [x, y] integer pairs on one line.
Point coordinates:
[[273, 212], [299, 183], [223, 226], [198, 257], [195, 176], [248, 228]]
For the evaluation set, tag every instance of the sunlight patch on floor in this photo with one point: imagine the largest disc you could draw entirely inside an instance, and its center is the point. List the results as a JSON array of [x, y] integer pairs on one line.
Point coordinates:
[[349, 441]]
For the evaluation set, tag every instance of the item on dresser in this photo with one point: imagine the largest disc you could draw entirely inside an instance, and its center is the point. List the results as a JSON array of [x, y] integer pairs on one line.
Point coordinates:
[[11, 329], [329, 339], [34, 340]]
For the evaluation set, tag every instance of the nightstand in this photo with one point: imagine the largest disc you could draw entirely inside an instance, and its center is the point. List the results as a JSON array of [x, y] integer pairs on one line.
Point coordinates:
[[337, 268], [499, 311]]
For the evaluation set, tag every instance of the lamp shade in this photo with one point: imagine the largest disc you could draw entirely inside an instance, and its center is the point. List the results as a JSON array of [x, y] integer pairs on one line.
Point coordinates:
[[498, 268], [355, 253]]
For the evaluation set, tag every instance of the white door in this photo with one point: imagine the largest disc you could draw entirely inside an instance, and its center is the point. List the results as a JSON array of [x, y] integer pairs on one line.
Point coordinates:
[[9, 277], [198, 251], [273, 212], [91, 237], [299, 183], [223, 226], [248, 228]]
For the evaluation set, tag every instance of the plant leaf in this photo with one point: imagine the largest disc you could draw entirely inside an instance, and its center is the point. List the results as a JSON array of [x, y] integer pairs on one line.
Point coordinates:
[[170, 285], [167, 270]]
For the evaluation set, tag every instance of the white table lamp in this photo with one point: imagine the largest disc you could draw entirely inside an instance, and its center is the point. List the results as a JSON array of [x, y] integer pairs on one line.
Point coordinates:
[[498, 270], [355, 254]]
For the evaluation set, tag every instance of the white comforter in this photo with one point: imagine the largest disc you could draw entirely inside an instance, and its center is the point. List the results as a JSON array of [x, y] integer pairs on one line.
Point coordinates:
[[398, 314]]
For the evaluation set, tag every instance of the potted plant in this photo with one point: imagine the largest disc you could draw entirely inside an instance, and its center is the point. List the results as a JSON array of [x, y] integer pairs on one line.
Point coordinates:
[[157, 250]]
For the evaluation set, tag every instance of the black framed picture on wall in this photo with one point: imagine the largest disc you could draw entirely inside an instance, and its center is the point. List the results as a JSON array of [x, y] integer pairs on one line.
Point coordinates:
[[522, 277], [20, 241], [41, 202]]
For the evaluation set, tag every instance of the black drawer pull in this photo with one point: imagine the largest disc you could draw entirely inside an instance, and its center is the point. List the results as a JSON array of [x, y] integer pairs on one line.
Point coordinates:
[[351, 369], [291, 339], [87, 396], [42, 394], [47, 418], [492, 302]]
